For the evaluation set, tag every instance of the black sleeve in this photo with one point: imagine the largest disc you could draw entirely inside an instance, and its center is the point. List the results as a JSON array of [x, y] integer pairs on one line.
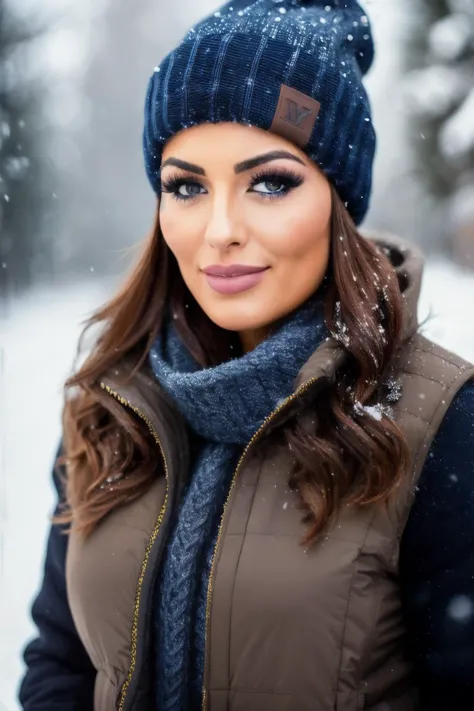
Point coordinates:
[[437, 564], [59, 675]]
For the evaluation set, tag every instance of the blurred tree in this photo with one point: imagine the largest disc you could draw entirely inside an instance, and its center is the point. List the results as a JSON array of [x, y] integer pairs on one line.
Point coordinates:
[[440, 91], [108, 203], [24, 250]]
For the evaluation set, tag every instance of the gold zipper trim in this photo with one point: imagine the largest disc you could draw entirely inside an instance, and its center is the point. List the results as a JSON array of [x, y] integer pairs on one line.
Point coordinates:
[[156, 529], [256, 436]]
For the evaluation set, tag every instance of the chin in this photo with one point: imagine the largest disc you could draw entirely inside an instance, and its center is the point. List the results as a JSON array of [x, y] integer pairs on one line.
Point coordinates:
[[232, 318]]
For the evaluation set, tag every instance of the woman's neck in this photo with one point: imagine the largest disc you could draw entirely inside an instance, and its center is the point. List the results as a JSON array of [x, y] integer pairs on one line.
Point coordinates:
[[252, 338]]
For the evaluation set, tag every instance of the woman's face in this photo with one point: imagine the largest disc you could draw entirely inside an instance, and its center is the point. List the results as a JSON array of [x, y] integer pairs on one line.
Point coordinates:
[[247, 216]]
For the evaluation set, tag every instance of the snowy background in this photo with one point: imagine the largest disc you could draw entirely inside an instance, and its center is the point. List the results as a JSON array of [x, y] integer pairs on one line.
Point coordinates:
[[92, 64]]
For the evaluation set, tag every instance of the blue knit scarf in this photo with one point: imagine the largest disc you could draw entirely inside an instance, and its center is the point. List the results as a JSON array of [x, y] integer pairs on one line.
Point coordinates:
[[225, 406]]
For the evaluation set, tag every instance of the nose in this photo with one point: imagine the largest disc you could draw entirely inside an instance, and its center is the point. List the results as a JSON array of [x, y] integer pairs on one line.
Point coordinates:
[[224, 228]]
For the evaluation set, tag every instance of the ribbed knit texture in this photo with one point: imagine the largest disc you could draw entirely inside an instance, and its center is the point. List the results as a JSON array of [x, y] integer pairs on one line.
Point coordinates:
[[230, 67], [225, 406]]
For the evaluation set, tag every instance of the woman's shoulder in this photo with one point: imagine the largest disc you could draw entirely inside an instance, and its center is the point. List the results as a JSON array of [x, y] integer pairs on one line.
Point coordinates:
[[430, 376], [436, 557], [453, 445], [439, 529], [425, 357], [435, 386], [444, 500]]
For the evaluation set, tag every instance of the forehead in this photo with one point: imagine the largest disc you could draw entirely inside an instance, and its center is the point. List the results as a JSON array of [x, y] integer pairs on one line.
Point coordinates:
[[224, 144]]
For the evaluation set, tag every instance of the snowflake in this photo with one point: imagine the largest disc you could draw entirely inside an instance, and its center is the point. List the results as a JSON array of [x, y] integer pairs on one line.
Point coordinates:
[[394, 390], [341, 332]]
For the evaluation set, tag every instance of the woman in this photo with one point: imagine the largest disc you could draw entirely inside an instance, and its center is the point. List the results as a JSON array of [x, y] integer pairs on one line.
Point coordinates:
[[243, 444]]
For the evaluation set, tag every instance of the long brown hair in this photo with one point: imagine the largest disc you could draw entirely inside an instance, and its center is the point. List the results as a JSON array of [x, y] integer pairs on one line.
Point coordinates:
[[351, 457]]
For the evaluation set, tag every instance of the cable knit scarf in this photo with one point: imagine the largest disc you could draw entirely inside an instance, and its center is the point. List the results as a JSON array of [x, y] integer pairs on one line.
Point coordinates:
[[225, 406]]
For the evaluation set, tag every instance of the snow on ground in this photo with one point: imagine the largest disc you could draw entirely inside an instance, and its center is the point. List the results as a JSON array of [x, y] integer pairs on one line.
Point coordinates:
[[446, 299], [37, 344]]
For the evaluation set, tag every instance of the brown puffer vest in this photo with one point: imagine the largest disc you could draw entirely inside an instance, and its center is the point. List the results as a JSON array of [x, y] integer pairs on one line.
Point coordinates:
[[288, 628]]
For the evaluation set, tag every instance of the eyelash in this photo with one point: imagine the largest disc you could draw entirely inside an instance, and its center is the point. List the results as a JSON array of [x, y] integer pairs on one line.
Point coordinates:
[[284, 176], [174, 183]]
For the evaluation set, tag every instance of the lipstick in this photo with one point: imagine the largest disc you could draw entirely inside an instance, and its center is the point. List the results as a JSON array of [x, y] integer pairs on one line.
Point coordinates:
[[233, 279]]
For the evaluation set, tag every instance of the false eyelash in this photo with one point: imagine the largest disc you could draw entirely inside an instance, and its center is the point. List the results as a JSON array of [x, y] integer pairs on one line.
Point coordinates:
[[174, 182], [286, 176]]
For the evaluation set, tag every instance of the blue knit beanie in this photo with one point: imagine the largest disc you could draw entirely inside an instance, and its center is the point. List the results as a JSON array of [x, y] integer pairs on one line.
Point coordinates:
[[294, 67]]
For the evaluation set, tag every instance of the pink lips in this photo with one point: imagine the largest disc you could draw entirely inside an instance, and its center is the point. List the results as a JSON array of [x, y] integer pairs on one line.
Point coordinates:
[[234, 278]]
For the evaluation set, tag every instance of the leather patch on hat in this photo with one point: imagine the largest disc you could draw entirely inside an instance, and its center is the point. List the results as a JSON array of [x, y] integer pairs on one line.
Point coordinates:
[[295, 116]]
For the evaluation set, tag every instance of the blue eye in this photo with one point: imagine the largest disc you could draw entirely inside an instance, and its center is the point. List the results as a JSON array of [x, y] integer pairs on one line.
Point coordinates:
[[275, 184], [182, 188], [266, 184], [269, 187], [188, 190]]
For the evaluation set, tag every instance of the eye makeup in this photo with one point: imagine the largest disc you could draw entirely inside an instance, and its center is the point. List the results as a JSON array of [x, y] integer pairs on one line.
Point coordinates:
[[284, 180]]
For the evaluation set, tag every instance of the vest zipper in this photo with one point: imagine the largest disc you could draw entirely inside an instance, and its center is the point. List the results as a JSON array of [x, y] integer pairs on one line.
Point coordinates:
[[256, 436], [360, 702], [154, 535]]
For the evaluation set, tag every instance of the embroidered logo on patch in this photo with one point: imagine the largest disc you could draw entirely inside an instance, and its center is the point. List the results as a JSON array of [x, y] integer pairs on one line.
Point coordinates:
[[295, 115]]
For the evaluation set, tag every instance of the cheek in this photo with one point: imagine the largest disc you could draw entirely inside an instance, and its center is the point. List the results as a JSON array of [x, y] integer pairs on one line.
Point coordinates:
[[301, 228], [298, 237], [181, 234]]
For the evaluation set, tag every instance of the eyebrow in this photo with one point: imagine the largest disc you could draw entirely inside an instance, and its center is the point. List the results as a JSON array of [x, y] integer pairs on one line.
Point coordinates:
[[239, 167], [265, 158], [184, 165]]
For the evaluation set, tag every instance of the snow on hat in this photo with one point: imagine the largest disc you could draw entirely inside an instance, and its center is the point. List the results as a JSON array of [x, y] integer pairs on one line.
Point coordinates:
[[293, 67]]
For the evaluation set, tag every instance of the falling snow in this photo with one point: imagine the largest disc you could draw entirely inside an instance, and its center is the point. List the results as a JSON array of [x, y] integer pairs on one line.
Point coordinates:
[[377, 412], [341, 332], [461, 609], [51, 318]]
